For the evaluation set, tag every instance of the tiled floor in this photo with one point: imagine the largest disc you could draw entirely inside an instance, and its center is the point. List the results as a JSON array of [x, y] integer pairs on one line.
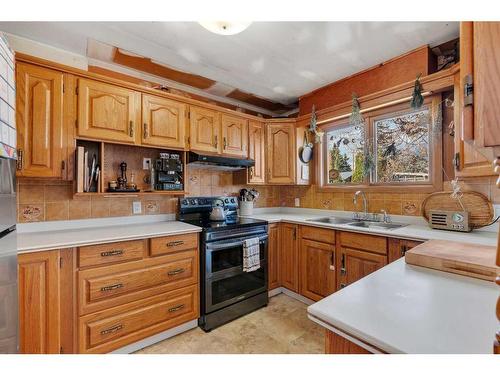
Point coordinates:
[[281, 327]]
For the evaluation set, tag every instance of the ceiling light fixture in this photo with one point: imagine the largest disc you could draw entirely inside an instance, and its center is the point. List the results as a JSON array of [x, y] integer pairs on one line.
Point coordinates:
[[225, 27]]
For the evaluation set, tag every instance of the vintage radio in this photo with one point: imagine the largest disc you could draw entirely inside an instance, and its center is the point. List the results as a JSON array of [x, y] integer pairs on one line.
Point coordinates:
[[450, 220]]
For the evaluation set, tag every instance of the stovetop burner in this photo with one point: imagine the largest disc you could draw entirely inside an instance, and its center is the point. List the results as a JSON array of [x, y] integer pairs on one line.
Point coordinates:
[[196, 211]]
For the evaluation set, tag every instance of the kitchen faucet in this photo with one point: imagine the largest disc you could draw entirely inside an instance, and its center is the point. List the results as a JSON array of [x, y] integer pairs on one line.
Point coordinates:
[[365, 205]]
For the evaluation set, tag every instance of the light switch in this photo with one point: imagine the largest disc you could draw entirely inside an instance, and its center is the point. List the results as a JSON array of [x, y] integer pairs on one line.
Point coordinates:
[[297, 202], [136, 207]]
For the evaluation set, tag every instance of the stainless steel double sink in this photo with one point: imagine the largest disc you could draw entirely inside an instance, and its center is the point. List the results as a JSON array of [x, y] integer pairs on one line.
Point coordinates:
[[358, 223]]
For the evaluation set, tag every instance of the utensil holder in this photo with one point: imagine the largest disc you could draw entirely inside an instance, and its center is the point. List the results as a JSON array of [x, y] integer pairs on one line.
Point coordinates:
[[246, 208]]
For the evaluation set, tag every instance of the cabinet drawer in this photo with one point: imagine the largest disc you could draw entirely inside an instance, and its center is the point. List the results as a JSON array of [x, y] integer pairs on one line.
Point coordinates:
[[374, 244], [318, 234], [110, 329], [97, 255], [171, 244], [101, 288]]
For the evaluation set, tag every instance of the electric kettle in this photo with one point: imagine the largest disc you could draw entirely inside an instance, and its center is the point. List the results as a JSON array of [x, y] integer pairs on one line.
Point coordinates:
[[218, 212]]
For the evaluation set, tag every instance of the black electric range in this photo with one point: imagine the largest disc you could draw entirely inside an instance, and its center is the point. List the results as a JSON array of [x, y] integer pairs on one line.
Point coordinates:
[[226, 291]]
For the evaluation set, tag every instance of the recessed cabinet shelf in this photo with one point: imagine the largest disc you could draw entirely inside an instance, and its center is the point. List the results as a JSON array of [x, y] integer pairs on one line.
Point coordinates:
[[109, 156]]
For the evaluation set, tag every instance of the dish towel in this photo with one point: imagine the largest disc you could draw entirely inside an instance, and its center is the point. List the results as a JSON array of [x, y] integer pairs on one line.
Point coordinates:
[[251, 254]]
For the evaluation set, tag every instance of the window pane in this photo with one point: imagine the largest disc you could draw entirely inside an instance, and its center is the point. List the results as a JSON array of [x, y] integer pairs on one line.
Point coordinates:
[[345, 155], [402, 144]]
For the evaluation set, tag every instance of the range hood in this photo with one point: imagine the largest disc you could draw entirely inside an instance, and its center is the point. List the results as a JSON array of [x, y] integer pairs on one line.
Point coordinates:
[[218, 162]]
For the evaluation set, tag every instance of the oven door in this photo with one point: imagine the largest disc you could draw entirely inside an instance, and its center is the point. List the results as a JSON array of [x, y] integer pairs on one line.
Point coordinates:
[[225, 281]]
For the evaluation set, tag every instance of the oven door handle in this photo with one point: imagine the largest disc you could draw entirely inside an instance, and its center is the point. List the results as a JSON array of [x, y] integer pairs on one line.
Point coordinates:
[[215, 246]]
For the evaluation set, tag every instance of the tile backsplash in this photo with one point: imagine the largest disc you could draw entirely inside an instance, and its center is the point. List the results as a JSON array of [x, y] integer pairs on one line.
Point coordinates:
[[45, 200], [394, 203]]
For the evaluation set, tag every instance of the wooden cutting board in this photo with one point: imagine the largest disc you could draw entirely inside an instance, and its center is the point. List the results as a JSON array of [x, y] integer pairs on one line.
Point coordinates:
[[472, 260]]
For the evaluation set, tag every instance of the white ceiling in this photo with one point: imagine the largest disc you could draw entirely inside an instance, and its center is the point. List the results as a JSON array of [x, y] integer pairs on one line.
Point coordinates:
[[275, 60]]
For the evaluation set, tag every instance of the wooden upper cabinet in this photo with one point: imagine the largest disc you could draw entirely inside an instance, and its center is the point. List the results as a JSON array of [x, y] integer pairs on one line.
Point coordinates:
[[289, 257], [256, 152], [477, 124], [281, 153], [163, 122], [486, 56], [234, 136], [317, 269], [39, 302], [204, 130], [40, 128], [108, 112]]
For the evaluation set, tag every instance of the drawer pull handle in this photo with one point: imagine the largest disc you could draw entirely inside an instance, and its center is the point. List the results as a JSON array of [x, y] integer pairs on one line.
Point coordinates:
[[111, 253], [176, 272], [175, 308], [111, 287], [342, 285], [174, 243], [112, 329]]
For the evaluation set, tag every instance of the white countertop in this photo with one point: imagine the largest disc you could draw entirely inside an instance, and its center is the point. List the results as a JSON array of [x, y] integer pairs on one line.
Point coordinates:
[[408, 309], [417, 228], [90, 235]]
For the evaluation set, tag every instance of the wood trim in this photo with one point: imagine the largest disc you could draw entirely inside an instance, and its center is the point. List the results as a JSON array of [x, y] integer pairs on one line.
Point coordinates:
[[368, 69], [466, 68], [434, 83]]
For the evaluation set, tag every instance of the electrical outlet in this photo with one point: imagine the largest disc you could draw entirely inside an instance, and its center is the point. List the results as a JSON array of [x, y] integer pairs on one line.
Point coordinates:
[[297, 202], [146, 163], [136, 207]]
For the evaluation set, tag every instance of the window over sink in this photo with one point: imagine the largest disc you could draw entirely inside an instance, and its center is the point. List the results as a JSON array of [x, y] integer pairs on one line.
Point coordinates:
[[394, 148]]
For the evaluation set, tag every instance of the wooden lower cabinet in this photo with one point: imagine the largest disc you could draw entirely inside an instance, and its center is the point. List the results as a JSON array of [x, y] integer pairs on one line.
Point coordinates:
[[45, 301], [336, 344], [356, 264], [317, 269], [95, 299], [273, 259], [397, 248], [289, 257], [111, 329]]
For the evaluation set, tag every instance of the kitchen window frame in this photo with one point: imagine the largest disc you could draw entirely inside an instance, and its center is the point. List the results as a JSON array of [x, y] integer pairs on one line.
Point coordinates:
[[435, 182]]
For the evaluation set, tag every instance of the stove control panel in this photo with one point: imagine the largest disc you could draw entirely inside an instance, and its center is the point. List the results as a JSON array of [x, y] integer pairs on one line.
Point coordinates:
[[203, 203]]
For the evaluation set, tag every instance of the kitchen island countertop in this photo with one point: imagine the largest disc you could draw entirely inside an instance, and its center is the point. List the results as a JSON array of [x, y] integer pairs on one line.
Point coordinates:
[[409, 309]]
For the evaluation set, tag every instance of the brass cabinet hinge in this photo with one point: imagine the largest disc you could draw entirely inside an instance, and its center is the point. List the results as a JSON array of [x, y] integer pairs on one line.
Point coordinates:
[[76, 123], [63, 87], [63, 165], [456, 161], [468, 90], [60, 262], [76, 90]]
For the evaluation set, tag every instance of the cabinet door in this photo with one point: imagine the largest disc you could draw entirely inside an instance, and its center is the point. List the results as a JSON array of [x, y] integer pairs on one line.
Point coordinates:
[[204, 130], [355, 264], [289, 256], [108, 112], [281, 153], [234, 136], [39, 121], [487, 83], [398, 248], [39, 302], [317, 269], [164, 122], [273, 256], [256, 152]]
